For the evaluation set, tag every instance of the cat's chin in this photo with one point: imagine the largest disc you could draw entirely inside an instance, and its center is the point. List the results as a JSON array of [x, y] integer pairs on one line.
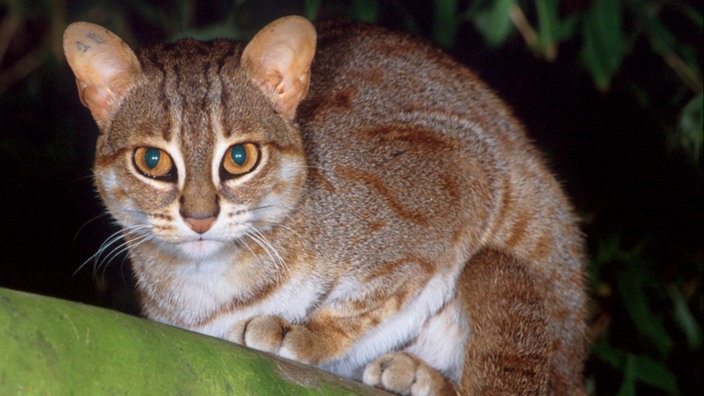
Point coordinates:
[[199, 249]]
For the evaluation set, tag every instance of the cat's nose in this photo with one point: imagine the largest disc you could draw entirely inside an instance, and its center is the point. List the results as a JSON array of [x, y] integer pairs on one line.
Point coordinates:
[[200, 225]]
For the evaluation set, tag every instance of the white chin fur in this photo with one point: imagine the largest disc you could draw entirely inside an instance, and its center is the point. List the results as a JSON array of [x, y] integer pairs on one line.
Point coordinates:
[[199, 249]]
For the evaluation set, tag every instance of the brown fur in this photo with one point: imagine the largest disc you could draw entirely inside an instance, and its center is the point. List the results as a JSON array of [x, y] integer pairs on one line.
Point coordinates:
[[397, 226]]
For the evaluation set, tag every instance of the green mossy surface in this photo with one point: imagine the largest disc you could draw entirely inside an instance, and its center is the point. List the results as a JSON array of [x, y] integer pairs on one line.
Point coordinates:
[[56, 347]]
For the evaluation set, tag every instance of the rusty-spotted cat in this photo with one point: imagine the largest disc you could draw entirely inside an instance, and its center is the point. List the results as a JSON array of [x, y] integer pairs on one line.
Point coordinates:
[[349, 198]]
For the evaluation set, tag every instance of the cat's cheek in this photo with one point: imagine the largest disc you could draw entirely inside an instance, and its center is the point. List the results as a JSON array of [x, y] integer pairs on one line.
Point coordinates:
[[118, 201]]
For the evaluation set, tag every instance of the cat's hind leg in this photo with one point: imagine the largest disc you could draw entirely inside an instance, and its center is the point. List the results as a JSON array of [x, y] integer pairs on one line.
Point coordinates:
[[510, 346]]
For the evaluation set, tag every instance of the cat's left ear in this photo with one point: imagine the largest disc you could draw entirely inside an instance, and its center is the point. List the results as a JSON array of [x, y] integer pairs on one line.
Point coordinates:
[[278, 59], [104, 66]]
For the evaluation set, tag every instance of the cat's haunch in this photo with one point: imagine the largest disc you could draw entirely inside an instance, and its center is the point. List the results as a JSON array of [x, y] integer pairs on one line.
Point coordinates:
[[350, 198]]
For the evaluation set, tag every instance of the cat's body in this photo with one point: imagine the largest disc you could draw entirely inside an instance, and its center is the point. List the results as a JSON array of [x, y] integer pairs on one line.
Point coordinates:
[[408, 225]]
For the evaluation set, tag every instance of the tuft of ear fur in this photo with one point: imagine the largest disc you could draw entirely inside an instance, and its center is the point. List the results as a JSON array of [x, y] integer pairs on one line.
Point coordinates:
[[104, 66], [278, 60]]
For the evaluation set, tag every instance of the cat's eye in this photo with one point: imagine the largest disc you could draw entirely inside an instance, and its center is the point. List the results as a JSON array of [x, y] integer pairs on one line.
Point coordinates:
[[240, 159], [155, 163]]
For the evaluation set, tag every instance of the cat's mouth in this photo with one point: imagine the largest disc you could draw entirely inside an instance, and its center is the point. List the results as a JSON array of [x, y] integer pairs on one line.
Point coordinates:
[[200, 248]]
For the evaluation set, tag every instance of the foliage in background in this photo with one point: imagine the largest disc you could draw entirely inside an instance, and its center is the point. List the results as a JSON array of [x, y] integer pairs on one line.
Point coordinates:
[[648, 307], [608, 31]]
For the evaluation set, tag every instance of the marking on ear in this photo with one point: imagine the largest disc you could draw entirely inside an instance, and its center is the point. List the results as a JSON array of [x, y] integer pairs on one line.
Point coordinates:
[[104, 66]]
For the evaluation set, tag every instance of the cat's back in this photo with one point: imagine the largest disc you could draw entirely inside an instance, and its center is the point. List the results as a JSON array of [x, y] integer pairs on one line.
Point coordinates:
[[366, 75], [378, 98], [410, 152]]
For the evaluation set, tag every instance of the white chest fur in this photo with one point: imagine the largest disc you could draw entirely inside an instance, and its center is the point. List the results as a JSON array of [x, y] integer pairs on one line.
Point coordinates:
[[419, 320]]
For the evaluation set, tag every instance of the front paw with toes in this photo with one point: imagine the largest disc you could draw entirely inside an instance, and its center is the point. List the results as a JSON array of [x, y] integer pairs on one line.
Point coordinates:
[[264, 333], [402, 373], [274, 334]]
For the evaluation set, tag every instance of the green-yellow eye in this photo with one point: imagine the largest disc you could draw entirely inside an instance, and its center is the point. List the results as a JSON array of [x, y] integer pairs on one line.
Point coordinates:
[[153, 162], [240, 159]]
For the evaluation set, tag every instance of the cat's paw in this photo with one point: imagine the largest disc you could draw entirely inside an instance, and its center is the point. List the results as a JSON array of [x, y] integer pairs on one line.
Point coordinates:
[[274, 334], [402, 373], [264, 333]]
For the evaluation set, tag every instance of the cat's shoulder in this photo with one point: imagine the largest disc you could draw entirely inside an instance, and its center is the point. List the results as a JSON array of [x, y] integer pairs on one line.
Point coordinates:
[[372, 38], [344, 46]]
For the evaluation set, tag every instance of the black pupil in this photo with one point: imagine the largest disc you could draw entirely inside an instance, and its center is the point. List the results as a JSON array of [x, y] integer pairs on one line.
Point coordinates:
[[152, 157], [239, 154]]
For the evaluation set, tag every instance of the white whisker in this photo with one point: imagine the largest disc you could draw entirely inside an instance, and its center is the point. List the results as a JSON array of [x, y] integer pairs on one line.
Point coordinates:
[[244, 242], [123, 247], [278, 223], [115, 246], [80, 229], [282, 225], [119, 250], [276, 259]]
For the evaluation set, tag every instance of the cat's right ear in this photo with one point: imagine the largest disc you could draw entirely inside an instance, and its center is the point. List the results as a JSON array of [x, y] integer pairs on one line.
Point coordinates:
[[278, 60], [104, 66]]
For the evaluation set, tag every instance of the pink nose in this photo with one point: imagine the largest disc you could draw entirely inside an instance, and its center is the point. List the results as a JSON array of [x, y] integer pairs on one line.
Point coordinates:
[[200, 225]]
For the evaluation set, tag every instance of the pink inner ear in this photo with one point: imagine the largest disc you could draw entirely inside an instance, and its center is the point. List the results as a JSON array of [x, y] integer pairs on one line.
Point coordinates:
[[101, 104], [81, 86], [104, 66], [278, 58]]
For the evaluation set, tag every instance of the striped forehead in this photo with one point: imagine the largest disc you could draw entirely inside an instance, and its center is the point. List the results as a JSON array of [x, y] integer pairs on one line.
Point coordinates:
[[188, 76]]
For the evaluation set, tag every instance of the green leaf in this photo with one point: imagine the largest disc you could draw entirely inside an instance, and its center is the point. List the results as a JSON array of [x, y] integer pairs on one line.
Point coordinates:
[[446, 21], [548, 22], [567, 27], [148, 11], [693, 15], [691, 127], [184, 14], [365, 10], [628, 387], [615, 358], [655, 374], [409, 23], [311, 8], [631, 287], [685, 319], [604, 44], [495, 22], [661, 38], [636, 368], [553, 29]]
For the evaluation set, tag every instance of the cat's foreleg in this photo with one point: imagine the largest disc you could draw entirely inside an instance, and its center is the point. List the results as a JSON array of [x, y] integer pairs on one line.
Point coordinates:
[[334, 330], [315, 342], [399, 372], [274, 334]]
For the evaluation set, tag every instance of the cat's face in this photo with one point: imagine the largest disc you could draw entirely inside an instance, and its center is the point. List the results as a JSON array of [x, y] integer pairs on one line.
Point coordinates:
[[197, 149], [192, 173]]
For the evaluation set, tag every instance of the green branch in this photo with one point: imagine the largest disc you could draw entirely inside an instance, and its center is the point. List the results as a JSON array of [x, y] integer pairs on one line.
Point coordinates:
[[55, 347]]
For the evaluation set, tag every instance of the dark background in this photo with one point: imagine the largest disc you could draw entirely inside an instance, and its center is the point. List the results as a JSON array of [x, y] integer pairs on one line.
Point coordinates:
[[622, 149]]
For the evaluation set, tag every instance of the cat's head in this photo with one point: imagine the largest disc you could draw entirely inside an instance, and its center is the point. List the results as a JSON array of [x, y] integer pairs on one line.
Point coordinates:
[[197, 144]]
